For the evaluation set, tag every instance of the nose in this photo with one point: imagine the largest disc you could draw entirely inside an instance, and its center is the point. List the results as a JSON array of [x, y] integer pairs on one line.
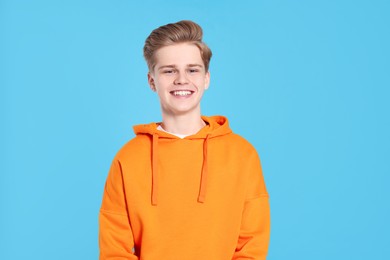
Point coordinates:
[[181, 78]]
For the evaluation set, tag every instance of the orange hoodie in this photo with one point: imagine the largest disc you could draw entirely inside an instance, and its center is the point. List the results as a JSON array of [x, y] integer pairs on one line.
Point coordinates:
[[202, 197]]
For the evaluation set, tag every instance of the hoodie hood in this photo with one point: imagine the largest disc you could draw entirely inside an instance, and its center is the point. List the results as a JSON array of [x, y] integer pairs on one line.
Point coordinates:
[[216, 126]]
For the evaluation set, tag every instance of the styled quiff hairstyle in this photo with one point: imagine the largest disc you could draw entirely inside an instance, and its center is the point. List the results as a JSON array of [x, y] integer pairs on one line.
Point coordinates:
[[181, 32]]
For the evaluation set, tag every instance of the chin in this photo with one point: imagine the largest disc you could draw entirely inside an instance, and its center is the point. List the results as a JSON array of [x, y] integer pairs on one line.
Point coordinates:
[[183, 111]]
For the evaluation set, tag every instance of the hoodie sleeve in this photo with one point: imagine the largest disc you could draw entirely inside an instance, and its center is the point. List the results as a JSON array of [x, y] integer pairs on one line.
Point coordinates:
[[115, 234], [255, 224]]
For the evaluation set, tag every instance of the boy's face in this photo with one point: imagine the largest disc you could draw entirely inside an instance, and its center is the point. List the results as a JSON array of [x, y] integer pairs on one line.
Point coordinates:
[[179, 78]]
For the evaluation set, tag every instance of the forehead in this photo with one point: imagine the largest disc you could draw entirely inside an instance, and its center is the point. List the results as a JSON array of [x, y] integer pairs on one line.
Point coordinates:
[[178, 54]]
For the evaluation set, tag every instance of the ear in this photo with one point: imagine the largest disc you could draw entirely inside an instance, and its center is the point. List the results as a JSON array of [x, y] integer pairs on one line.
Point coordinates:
[[207, 80], [151, 81]]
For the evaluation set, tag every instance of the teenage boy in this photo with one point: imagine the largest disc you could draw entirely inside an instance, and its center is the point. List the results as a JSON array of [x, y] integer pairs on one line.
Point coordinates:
[[187, 188]]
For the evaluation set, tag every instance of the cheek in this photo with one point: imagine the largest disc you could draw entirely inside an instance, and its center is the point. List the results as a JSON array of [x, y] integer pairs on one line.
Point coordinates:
[[161, 82], [200, 82], [203, 84]]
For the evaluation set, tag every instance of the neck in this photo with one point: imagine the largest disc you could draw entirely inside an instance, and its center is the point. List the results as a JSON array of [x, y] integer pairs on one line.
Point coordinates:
[[187, 124]]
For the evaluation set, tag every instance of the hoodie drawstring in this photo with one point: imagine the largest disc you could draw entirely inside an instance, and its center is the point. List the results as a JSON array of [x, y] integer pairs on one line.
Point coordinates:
[[154, 169], [203, 180]]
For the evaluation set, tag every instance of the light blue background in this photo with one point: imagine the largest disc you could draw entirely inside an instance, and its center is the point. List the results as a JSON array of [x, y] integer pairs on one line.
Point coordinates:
[[307, 82]]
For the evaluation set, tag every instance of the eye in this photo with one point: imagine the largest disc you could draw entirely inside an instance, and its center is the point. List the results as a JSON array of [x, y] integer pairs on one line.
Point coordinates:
[[168, 71], [193, 70]]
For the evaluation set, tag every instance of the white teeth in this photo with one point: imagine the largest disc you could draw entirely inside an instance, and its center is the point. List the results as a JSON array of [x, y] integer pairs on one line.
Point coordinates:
[[181, 93]]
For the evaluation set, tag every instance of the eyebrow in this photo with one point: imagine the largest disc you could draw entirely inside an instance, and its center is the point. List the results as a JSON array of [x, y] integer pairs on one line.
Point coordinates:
[[174, 66], [195, 65], [166, 66]]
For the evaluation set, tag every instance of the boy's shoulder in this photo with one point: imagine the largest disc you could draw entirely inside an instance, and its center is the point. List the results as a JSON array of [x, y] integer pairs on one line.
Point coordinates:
[[139, 144], [240, 143]]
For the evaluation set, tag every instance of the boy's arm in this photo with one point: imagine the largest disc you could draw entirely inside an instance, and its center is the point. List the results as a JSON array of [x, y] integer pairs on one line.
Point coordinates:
[[255, 224], [115, 234]]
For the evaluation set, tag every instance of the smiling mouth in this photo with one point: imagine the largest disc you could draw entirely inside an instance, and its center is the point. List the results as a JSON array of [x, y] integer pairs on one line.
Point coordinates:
[[181, 93]]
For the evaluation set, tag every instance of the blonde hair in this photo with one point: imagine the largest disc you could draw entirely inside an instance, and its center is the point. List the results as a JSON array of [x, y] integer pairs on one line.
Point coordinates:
[[173, 33]]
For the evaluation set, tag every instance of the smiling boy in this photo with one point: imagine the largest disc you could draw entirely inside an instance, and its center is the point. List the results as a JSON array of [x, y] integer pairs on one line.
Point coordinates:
[[187, 187], [180, 78]]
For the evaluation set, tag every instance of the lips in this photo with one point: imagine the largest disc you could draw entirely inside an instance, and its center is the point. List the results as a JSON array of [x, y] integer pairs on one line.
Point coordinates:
[[181, 93]]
